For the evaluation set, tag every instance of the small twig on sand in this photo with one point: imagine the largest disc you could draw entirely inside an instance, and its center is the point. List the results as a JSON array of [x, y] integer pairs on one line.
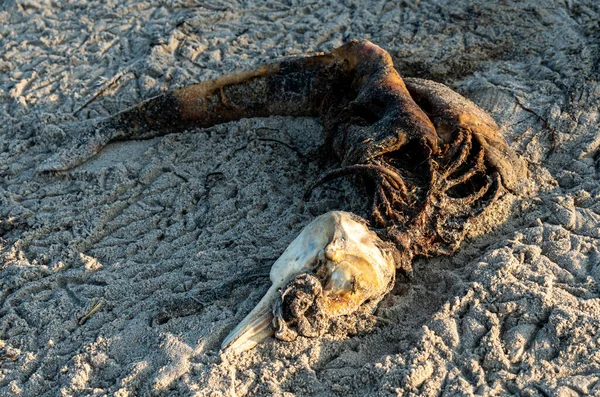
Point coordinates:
[[105, 87], [89, 314], [553, 138], [287, 145]]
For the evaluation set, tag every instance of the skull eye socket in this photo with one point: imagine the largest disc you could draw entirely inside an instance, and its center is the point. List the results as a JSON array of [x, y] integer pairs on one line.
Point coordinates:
[[341, 280], [349, 276]]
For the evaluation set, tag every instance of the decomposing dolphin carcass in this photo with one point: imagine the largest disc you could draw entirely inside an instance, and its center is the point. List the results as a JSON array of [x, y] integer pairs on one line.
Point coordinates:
[[430, 158]]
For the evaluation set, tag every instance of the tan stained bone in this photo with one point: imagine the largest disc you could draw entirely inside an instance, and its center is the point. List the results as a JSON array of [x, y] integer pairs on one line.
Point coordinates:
[[350, 261]]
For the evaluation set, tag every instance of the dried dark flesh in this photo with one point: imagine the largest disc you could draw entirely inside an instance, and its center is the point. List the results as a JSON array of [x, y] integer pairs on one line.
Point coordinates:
[[432, 159]]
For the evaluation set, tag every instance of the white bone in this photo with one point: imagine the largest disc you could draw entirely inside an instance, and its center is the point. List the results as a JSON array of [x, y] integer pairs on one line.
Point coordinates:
[[339, 239]]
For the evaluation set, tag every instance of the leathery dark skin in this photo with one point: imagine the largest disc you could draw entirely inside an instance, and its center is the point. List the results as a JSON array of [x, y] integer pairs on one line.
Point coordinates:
[[432, 160]]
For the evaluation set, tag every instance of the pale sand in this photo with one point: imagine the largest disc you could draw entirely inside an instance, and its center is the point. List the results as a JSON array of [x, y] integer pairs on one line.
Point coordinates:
[[175, 236]]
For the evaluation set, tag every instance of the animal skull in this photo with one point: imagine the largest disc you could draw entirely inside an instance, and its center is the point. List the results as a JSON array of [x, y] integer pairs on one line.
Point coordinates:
[[336, 266]]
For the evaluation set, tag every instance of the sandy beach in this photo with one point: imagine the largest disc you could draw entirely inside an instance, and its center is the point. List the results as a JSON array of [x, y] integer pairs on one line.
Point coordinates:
[[122, 276]]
